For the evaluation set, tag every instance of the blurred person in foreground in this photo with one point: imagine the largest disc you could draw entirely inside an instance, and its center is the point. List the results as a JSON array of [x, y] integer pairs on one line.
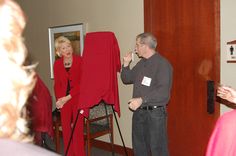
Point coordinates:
[[16, 83], [40, 107], [223, 138]]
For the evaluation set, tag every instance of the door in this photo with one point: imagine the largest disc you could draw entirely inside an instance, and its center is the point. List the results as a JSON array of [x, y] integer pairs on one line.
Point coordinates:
[[188, 34]]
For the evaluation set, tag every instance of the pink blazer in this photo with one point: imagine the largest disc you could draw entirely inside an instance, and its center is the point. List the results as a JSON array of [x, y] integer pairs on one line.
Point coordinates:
[[223, 138]]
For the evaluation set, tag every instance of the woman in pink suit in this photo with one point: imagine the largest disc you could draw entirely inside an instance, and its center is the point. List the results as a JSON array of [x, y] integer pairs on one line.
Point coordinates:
[[66, 88], [223, 138]]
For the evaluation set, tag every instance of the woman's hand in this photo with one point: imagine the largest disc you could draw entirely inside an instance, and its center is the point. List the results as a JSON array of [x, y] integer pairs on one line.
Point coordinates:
[[60, 102], [227, 93]]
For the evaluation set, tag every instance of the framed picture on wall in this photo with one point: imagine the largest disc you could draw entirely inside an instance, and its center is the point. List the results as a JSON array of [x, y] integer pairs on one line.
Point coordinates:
[[73, 32]]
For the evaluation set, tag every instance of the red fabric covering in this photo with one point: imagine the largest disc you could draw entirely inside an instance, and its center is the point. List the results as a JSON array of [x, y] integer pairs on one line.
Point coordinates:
[[41, 108], [223, 138], [100, 64]]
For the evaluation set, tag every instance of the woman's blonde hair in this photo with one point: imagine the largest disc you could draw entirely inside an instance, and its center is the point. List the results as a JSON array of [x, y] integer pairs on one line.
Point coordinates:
[[16, 80], [58, 42]]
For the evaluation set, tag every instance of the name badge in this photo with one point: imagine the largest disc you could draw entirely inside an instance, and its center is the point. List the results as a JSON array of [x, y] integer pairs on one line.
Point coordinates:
[[146, 81]]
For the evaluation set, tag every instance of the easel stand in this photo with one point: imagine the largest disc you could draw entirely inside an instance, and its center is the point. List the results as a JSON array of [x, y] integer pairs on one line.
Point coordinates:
[[121, 137], [74, 125]]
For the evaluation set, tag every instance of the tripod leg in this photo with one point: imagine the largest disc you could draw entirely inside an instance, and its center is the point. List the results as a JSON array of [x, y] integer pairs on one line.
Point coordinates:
[[126, 153], [110, 135]]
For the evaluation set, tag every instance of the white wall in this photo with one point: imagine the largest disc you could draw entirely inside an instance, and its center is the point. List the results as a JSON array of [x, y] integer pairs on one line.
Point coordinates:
[[228, 33], [123, 17]]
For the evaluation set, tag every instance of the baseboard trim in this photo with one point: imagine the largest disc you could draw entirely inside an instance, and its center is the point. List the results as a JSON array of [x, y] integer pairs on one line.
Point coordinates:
[[107, 147]]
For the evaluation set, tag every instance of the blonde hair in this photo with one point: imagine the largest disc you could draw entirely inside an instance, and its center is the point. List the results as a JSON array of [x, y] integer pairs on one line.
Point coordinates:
[[58, 42], [16, 81]]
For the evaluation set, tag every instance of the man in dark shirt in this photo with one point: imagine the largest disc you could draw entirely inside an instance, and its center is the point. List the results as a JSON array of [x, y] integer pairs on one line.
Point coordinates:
[[152, 79]]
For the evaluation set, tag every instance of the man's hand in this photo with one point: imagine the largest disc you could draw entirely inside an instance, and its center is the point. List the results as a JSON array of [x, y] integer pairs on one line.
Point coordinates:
[[135, 103], [127, 59]]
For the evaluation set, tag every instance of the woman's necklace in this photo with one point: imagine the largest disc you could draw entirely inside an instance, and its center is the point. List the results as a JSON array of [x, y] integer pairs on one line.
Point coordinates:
[[67, 63]]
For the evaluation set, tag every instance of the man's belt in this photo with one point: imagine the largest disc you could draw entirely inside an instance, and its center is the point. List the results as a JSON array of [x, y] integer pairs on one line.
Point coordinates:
[[149, 107]]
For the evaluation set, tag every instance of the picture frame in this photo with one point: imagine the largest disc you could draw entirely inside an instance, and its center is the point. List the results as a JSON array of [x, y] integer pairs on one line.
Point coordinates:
[[73, 32]]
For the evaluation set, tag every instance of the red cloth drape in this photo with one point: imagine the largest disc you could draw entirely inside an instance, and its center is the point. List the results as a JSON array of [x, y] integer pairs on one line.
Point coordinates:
[[100, 64]]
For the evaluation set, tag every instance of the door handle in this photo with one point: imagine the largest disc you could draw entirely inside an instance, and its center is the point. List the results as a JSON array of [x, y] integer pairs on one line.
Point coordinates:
[[210, 96]]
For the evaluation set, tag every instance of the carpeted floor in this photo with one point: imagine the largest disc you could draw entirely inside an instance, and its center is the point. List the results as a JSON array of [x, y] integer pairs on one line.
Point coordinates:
[[95, 151], [100, 152]]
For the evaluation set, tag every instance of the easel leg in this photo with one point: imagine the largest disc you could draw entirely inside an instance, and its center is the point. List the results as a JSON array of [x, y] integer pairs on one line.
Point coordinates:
[[110, 135], [126, 153]]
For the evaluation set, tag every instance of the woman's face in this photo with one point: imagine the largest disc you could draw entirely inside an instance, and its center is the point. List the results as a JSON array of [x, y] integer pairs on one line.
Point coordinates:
[[66, 50]]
